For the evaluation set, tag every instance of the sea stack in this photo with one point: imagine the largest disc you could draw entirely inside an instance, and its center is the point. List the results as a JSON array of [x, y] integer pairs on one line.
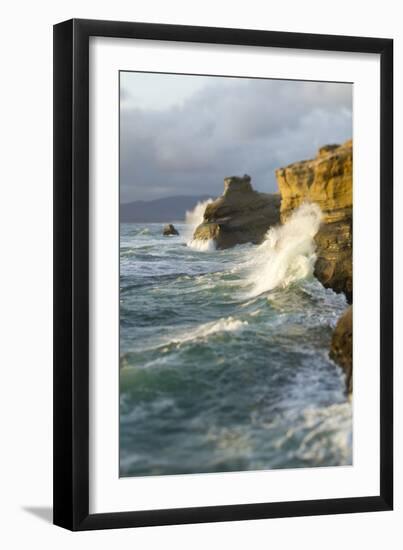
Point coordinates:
[[240, 215], [169, 229], [327, 181]]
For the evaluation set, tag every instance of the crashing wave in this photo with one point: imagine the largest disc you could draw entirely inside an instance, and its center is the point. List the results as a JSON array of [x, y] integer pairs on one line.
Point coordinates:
[[193, 218], [201, 246], [288, 252], [228, 324]]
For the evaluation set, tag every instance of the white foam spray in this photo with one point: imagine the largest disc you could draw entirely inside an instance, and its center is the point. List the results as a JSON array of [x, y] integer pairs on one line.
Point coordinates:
[[194, 218], [228, 324], [288, 252], [202, 246]]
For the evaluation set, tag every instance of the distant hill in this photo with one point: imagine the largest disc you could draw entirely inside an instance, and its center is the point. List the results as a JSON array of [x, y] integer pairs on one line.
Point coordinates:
[[159, 210]]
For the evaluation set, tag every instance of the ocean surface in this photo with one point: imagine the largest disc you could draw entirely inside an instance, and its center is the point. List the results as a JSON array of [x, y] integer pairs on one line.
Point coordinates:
[[224, 354]]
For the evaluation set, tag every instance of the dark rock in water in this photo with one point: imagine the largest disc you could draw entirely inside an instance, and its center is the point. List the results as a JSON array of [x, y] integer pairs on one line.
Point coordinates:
[[241, 215], [341, 350], [327, 181], [170, 229]]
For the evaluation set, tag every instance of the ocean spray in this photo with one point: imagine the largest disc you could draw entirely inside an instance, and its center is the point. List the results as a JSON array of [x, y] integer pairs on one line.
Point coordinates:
[[288, 252]]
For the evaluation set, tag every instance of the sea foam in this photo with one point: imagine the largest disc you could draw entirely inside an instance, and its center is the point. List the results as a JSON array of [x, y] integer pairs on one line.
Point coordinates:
[[193, 218], [227, 324], [201, 246], [288, 252]]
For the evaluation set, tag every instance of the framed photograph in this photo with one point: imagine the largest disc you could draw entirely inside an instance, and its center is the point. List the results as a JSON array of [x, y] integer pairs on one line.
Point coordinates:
[[206, 186]]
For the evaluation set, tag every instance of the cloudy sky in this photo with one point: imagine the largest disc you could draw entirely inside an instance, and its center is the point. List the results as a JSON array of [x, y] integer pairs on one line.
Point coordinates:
[[182, 134]]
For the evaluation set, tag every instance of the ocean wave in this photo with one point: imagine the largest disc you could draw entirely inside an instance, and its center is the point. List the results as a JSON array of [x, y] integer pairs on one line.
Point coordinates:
[[318, 436], [200, 333], [202, 246], [328, 430], [137, 232], [205, 343], [228, 324], [144, 231], [287, 254], [194, 217]]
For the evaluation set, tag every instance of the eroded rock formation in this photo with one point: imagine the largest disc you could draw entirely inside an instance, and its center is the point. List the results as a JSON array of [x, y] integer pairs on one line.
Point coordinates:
[[241, 215], [169, 229], [341, 350], [327, 181]]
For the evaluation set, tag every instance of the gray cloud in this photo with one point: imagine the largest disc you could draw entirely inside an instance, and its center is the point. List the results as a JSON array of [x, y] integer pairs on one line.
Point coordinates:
[[230, 126]]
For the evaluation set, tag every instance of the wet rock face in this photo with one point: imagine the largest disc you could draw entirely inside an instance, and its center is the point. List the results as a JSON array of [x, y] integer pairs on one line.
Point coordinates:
[[327, 181], [241, 215], [169, 229], [341, 350]]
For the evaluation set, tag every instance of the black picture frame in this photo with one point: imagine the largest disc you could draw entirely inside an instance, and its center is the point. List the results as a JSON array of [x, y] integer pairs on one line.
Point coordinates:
[[71, 274]]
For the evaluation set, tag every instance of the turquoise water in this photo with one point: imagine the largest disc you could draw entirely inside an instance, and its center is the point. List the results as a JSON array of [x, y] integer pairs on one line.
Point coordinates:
[[215, 377]]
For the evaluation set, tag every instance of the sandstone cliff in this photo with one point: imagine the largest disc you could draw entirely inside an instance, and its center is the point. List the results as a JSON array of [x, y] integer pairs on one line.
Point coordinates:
[[327, 181], [241, 215], [341, 350]]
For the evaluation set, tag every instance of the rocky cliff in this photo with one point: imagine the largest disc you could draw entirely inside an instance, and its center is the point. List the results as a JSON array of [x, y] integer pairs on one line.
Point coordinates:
[[327, 181], [241, 215], [341, 350]]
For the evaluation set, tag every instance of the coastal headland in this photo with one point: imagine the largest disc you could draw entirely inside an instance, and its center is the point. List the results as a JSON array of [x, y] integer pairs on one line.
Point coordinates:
[[242, 215]]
